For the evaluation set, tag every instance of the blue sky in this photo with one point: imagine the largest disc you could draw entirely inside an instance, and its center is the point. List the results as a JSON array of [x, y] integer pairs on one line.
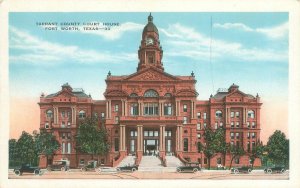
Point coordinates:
[[248, 49]]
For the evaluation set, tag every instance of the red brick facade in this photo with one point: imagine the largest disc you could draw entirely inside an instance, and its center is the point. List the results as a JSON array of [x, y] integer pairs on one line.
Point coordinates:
[[151, 111]]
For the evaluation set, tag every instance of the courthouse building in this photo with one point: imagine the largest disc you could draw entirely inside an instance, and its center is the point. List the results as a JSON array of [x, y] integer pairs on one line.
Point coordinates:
[[152, 112]]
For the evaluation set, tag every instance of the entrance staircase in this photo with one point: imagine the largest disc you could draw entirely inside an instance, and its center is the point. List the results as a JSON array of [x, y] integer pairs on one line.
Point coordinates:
[[172, 163], [150, 164], [128, 160]]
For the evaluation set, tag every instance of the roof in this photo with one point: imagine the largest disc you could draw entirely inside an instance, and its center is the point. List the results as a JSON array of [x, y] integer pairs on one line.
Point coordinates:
[[79, 94], [220, 95], [150, 26]]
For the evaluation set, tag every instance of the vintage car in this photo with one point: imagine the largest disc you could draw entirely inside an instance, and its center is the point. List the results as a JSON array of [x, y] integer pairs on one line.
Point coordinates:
[[62, 165], [274, 169], [91, 166], [189, 167], [131, 168], [242, 169], [27, 168]]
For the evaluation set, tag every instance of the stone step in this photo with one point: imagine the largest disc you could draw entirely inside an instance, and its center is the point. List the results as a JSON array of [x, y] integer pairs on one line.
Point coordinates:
[[128, 160]]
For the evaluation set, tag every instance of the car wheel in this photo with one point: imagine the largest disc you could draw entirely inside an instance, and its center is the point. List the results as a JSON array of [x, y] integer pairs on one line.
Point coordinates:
[[195, 170], [269, 171], [282, 170], [134, 169], [83, 169], [49, 169], [36, 172], [118, 169], [236, 171], [249, 170], [62, 169], [178, 170], [17, 172]]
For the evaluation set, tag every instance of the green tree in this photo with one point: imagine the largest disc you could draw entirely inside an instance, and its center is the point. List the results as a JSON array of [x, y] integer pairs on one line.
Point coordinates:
[[278, 148], [91, 139], [13, 155], [45, 143], [214, 143], [257, 152], [26, 150], [235, 151]]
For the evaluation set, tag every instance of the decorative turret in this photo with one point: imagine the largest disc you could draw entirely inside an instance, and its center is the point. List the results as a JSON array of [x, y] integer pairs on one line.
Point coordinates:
[[150, 51], [66, 86], [233, 88]]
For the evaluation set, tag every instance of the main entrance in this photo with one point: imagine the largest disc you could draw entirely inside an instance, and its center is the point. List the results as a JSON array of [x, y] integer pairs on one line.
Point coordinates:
[[151, 146]]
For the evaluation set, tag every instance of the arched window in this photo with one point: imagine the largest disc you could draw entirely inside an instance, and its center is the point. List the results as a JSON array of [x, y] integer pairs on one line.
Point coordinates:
[[151, 93], [218, 114], [168, 95], [81, 114], [49, 114], [133, 95], [250, 114]]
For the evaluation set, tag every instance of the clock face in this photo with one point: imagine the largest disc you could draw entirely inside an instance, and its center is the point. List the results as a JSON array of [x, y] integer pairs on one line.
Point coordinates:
[[149, 41]]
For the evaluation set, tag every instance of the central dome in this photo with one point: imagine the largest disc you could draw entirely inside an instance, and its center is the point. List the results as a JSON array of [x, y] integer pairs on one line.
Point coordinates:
[[150, 27]]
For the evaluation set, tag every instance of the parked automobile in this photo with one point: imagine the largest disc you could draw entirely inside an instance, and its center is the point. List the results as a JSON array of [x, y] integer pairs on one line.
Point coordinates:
[[274, 169], [131, 168], [189, 167], [243, 169], [27, 168], [62, 165], [91, 166]]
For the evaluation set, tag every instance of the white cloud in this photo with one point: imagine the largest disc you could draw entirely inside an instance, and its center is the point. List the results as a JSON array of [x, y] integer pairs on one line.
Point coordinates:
[[187, 42], [36, 50], [276, 32]]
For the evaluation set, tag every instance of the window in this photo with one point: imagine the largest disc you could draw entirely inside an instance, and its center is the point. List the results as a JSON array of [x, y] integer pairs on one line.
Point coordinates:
[[47, 125], [69, 135], [116, 119], [116, 108], [49, 114], [253, 145], [232, 135], [185, 131], [168, 133], [253, 135], [198, 135], [63, 124], [221, 124], [232, 114], [232, 124], [69, 124], [132, 145], [248, 124], [81, 162], [198, 115], [184, 108], [184, 120], [151, 93], [150, 109], [133, 133], [63, 147], [204, 125], [237, 124], [63, 135], [205, 161], [116, 144], [185, 144], [134, 111], [102, 115], [237, 143], [168, 109], [237, 135], [216, 125], [237, 160], [204, 115], [68, 114], [198, 126], [248, 135], [248, 146], [253, 124], [218, 114], [81, 114], [145, 133], [69, 148], [219, 160], [237, 114], [63, 114], [168, 95], [250, 114], [150, 133], [231, 143], [156, 133], [133, 95]]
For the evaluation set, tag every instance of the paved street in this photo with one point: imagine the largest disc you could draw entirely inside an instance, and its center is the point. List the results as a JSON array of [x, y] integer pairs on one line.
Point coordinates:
[[218, 175]]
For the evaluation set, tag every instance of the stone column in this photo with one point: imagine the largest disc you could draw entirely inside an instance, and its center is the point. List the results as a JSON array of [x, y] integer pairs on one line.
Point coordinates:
[[177, 107], [140, 139], [107, 109], [192, 110], [54, 115], [245, 115], [179, 138], [125, 108], [57, 116]]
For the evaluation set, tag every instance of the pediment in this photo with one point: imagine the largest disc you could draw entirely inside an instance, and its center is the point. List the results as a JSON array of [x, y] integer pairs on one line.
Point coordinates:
[[236, 94], [116, 93], [187, 93], [151, 75], [64, 94]]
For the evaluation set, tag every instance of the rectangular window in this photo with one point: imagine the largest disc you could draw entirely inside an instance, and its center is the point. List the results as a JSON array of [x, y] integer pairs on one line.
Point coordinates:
[[253, 135], [116, 144], [221, 124], [132, 145], [232, 114], [69, 135], [248, 124], [184, 108], [204, 115], [248, 146], [69, 124], [198, 135], [253, 145], [63, 136], [155, 133], [232, 135], [204, 125], [62, 113], [63, 125], [150, 133], [168, 109], [205, 160], [198, 126], [237, 135], [253, 124], [69, 148], [63, 147], [237, 124], [150, 109], [133, 133], [116, 119], [185, 144], [184, 120], [237, 114], [134, 111], [248, 135], [145, 133], [232, 143], [102, 115], [116, 108], [69, 114], [232, 124], [216, 125], [237, 160], [168, 133], [47, 125], [198, 115], [81, 162]]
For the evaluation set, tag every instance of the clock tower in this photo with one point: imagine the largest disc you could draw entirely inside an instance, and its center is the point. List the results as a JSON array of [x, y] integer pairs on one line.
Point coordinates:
[[150, 51]]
